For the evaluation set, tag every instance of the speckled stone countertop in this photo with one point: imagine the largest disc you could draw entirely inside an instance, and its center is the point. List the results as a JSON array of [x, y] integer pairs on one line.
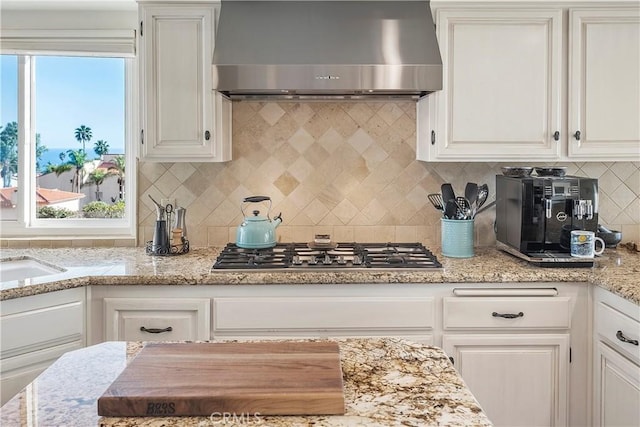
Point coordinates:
[[617, 270], [387, 382]]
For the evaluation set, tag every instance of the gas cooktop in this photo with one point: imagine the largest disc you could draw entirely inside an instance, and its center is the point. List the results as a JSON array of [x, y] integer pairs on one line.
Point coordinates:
[[336, 256]]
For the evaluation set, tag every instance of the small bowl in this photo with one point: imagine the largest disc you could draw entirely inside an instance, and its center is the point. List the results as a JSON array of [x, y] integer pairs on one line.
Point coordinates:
[[551, 171], [516, 171], [611, 239]]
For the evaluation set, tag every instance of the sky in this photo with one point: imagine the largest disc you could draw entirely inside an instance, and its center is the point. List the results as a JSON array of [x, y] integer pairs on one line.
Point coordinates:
[[70, 92]]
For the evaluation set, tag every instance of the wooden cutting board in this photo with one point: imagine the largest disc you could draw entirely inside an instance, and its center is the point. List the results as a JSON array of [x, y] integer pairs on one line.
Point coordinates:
[[199, 379]]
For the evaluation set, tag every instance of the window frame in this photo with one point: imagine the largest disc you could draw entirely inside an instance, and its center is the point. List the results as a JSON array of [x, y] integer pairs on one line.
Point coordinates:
[[27, 225]]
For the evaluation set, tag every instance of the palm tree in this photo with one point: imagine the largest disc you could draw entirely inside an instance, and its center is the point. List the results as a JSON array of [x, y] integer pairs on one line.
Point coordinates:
[[77, 158], [83, 134], [97, 177], [118, 169], [101, 147]]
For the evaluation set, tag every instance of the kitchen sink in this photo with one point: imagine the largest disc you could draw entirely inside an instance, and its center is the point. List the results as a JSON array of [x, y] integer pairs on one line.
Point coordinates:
[[25, 268]]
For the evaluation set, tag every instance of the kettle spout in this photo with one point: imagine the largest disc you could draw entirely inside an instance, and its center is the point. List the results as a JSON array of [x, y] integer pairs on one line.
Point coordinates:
[[277, 220]]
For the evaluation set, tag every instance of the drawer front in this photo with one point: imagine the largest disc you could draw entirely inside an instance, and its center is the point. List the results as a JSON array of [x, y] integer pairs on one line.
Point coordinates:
[[33, 330], [157, 326], [507, 313], [156, 319], [323, 313], [620, 330]]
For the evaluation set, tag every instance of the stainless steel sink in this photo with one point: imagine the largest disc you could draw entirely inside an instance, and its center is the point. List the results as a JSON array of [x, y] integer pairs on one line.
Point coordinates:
[[26, 268]]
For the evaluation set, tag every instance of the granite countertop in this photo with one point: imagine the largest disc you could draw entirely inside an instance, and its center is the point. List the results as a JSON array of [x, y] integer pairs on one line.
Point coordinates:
[[386, 382], [616, 270]]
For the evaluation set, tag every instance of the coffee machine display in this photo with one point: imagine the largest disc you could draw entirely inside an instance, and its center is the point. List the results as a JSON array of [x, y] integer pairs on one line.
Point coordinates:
[[536, 214]]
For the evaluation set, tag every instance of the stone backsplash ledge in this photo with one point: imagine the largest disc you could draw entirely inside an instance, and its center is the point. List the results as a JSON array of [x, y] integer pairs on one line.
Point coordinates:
[[347, 169]]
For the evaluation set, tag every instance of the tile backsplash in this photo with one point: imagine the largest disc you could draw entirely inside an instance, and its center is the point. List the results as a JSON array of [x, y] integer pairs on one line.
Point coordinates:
[[347, 169]]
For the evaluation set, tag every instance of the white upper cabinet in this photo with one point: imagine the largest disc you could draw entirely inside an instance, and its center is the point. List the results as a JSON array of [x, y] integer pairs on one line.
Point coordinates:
[[507, 72], [500, 97], [182, 117], [604, 84]]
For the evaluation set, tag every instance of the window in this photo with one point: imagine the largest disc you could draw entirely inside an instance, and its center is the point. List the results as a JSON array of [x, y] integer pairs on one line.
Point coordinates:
[[67, 146]]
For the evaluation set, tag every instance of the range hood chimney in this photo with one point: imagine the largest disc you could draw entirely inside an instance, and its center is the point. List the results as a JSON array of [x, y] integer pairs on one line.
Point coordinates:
[[326, 50]]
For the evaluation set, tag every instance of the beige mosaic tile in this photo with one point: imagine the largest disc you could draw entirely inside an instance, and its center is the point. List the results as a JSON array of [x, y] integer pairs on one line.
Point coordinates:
[[345, 167]]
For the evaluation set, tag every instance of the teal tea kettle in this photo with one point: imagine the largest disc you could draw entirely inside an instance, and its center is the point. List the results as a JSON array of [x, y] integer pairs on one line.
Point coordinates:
[[257, 231]]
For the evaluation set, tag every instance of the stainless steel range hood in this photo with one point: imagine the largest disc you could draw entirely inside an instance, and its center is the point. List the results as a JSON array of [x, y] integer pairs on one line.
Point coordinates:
[[326, 49]]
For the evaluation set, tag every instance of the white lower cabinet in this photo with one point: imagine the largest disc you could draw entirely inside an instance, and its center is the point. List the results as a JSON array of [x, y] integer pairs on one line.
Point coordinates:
[[513, 349], [516, 364], [616, 390], [518, 379], [35, 331], [156, 319]]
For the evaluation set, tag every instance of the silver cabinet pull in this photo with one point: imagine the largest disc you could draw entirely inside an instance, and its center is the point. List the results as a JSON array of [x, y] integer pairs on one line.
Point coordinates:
[[156, 330], [622, 338], [507, 315]]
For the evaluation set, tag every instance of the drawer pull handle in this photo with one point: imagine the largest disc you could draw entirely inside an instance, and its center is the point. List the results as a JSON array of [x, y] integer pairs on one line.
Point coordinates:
[[156, 330], [622, 338], [507, 315]]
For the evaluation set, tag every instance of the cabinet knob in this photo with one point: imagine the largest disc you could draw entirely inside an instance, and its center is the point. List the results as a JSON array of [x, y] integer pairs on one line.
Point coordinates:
[[556, 136], [577, 135], [207, 135]]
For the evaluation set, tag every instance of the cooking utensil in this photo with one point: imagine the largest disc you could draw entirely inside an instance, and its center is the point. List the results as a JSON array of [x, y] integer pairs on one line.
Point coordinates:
[[450, 209], [486, 207], [483, 193], [257, 231], [447, 192], [471, 194], [270, 378], [464, 209], [436, 201]]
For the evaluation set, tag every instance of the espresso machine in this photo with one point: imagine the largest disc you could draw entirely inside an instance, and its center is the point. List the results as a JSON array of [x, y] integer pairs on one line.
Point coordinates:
[[536, 214]]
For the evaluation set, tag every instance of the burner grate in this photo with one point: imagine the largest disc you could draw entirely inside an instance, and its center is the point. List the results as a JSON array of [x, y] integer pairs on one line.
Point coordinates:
[[349, 255]]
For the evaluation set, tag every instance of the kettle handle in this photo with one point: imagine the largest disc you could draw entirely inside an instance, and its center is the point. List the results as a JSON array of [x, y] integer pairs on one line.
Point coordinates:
[[256, 199]]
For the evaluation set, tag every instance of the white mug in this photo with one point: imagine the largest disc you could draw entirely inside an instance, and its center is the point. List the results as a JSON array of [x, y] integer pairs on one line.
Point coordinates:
[[583, 244]]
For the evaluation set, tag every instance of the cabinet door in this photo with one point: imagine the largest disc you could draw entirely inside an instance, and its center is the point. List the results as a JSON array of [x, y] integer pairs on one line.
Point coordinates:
[[19, 371], [617, 389], [604, 84], [157, 319], [179, 117], [501, 96], [519, 380], [34, 332]]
